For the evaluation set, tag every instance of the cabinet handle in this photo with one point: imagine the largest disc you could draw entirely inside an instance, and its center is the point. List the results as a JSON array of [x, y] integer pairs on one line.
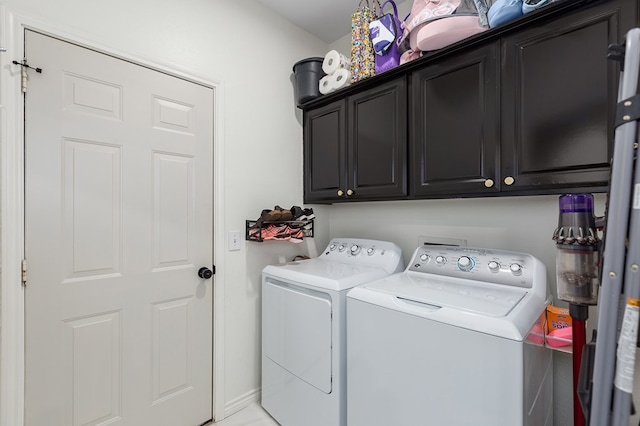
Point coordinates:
[[340, 193], [509, 180], [349, 192], [489, 183]]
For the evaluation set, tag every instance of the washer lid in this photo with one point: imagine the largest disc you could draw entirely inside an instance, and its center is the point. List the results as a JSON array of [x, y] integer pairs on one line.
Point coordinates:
[[472, 296], [329, 275]]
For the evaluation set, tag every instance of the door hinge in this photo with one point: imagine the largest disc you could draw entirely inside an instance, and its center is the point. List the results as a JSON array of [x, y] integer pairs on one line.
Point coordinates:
[[24, 272], [23, 72]]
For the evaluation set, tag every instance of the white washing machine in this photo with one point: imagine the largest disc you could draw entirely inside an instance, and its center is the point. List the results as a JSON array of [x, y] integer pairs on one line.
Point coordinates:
[[304, 330], [445, 342]]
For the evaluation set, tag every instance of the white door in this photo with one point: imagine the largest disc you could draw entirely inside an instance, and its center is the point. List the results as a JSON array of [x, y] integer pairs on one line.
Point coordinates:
[[118, 222]]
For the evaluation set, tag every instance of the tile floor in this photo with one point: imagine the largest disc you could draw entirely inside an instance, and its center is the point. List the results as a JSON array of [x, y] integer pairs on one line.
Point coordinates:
[[253, 415]]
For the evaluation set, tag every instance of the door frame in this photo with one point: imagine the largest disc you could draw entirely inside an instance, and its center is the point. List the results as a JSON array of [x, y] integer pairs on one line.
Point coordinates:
[[12, 226]]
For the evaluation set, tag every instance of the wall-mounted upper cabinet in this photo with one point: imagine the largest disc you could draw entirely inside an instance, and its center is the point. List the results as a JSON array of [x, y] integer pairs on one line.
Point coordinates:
[[356, 148], [525, 108], [559, 93], [454, 125]]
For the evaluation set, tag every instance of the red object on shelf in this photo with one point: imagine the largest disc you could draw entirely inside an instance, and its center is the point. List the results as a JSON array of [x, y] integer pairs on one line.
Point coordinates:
[[579, 340]]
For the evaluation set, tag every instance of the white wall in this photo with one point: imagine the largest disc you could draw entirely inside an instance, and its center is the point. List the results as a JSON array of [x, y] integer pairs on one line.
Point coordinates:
[[250, 51]]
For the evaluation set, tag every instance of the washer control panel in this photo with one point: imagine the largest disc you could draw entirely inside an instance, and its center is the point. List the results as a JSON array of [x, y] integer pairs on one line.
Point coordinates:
[[490, 265], [381, 254]]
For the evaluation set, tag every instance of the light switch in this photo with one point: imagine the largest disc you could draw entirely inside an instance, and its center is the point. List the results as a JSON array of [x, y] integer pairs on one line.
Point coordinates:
[[234, 240]]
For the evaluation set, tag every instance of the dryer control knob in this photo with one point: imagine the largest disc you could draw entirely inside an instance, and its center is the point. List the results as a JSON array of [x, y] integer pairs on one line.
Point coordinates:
[[371, 251], [441, 260], [424, 257], [341, 247], [355, 249], [494, 266], [332, 247], [516, 269], [465, 263]]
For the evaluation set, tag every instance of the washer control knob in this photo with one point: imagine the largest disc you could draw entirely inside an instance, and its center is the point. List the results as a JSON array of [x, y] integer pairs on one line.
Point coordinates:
[[424, 257], [494, 266], [341, 247], [355, 249], [371, 251], [441, 260], [516, 269], [465, 263], [332, 247]]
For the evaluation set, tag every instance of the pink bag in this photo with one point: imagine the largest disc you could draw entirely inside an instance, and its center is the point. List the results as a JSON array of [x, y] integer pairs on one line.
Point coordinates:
[[434, 24]]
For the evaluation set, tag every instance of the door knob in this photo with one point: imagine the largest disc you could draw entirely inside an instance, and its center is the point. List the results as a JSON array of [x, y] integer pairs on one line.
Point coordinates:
[[349, 192], [205, 273]]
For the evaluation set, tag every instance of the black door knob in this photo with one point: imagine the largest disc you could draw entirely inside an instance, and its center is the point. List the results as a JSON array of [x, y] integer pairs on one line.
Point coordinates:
[[205, 273]]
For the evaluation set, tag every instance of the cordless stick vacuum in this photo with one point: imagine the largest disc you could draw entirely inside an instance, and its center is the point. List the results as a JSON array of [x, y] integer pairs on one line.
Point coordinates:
[[577, 274]]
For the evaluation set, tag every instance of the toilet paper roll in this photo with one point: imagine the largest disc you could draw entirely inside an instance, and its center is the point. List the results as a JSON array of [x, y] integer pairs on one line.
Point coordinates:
[[341, 78], [325, 85], [333, 61]]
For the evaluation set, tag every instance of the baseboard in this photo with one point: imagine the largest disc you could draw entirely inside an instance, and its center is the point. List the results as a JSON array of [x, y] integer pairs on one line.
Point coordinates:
[[243, 401]]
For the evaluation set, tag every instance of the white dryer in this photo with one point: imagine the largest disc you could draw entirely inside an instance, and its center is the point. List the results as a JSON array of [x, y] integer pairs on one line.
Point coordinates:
[[445, 342], [304, 330]]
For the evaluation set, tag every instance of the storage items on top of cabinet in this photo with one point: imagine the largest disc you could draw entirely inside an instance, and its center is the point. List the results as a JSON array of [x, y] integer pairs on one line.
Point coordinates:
[[380, 42], [336, 66], [362, 54], [281, 225], [384, 33], [308, 73]]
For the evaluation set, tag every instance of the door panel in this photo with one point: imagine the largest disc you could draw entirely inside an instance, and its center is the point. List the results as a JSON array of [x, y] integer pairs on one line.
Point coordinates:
[[454, 132], [325, 146], [377, 161], [557, 119], [118, 221]]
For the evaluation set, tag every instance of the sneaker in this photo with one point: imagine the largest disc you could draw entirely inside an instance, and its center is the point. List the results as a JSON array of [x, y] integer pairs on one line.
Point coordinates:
[[296, 212], [308, 214]]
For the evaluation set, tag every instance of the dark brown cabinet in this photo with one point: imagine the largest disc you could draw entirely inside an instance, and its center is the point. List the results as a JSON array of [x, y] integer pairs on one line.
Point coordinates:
[[558, 100], [356, 148], [525, 108], [454, 125]]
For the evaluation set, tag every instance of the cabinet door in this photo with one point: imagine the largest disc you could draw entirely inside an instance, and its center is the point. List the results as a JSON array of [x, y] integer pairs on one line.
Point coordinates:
[[377, 141], [558, 103], [325, 152], [454, 125]]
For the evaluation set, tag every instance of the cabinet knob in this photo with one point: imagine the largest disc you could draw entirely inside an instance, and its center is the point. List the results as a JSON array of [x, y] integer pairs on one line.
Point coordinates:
[[509, 180], [349, 192], [340, 193], [489, 183]]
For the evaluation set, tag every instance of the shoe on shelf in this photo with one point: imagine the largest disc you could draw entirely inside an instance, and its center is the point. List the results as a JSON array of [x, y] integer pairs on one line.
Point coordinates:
[[285, 214], [275, 215], [307, 214], [296, 212], [271, 215]]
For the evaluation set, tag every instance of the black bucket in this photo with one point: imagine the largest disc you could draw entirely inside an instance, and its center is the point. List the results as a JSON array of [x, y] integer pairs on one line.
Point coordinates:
[[308, 73]]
